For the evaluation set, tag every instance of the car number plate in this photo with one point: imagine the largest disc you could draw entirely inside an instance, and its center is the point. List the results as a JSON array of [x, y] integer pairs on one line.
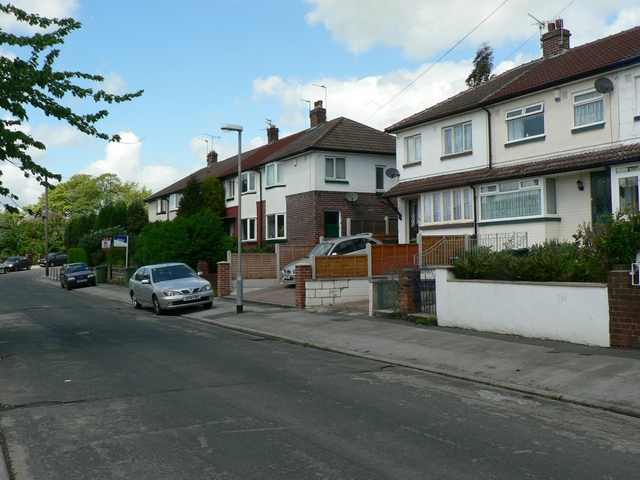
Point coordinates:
[[80, 280], [191, 297]]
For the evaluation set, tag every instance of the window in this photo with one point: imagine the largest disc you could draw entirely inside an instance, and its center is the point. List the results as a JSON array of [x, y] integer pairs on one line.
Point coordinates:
[[249, 230], [637, 88], [588, 108], [276, 226], [230, 188], [525, 122], [518, 198], [380, 177], [335, 168], [457, 139], [249, 182], [160, 206], [275, 174], [413, 149], [448, 206], [174, 201]]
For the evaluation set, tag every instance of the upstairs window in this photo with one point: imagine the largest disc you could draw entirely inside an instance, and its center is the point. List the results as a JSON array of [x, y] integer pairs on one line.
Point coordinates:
[[413, 149], [588, 108], [275, 174], [174, 201], [336, 168], [249, 182], [525, 122], [230, 189], [380, 178], [457, 139], [160, 206]]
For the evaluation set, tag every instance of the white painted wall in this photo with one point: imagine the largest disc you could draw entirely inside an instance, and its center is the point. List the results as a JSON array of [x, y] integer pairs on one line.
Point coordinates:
[[336, 291], [627, 84], [576, 313]]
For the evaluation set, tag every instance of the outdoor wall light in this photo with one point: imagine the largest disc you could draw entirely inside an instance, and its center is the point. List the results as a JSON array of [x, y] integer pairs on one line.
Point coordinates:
[[580, 185]]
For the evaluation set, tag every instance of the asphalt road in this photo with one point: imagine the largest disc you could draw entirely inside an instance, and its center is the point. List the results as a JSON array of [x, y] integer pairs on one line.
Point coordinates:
[[91, 388]]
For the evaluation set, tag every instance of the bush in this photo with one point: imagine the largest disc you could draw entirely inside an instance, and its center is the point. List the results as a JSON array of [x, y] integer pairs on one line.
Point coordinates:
[[77, 255]]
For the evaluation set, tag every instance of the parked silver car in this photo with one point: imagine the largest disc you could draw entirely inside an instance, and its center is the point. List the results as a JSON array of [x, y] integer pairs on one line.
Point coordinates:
[[351, 245], [167, 286]]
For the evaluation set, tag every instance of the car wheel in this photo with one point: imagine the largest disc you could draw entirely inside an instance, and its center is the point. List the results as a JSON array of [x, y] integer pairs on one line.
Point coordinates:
[[134, 301], [207, 305], [61, 284], [156, 306], [28, 267], [68, 285]]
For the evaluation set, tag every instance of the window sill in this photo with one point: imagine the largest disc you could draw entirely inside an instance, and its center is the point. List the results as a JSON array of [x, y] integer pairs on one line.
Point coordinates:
[[506, 221], [456, 224], [277, 185], [522, 141], [456, 155], [276, 240], [636, 118], [334, 180], [587, 128], [412, 164], [250, 192]]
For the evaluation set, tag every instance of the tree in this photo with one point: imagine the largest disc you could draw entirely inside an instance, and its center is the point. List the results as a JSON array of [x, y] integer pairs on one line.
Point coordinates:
[[213, 195], [192, 200], [34, 84], [482, 66]]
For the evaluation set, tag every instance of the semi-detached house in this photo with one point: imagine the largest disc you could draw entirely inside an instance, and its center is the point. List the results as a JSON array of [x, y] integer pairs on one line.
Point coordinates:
[[327, 180], [540, 149]]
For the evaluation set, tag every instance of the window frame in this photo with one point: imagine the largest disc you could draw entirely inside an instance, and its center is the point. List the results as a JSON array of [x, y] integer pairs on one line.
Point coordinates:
[[230, 189], [525, 112], [174, 201], [160, 206], [625, 173], [448, 206], [599, 98], [547, 204], [334, 167], [448, 150], [413, 149], [380, 174], [248, 178], [250, 225], [279, 222], [278, 174]]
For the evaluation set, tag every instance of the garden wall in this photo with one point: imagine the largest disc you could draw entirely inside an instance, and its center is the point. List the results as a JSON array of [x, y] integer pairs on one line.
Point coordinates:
[[570, 312]]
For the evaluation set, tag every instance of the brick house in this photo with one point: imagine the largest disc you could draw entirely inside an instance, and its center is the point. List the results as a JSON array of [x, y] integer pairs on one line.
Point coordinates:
[[327, 180]]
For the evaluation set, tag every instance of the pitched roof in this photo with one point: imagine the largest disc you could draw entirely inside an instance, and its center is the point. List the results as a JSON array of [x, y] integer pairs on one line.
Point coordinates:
[[337, 135], [603, 55], [568, 163]]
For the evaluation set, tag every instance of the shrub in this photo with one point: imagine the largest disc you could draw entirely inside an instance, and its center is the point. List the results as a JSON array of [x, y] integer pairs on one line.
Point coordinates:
[[77, 255]]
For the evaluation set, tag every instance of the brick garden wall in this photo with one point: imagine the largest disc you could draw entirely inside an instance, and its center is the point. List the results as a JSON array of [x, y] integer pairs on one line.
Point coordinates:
[[624, 308]]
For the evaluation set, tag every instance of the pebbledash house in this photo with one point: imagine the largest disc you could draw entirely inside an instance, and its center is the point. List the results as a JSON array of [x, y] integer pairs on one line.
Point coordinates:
[[532, 153], [327, 180]]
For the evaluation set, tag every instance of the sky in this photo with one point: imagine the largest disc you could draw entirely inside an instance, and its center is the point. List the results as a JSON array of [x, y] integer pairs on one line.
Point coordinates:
[[203, 63]]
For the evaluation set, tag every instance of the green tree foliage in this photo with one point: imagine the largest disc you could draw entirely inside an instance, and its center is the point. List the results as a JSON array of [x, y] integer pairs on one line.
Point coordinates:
[[482, 66], [192, 200], [112, 215], [32, 83], [92, 243], [137, 217], [77, 227], [213, 196], [184, 239]]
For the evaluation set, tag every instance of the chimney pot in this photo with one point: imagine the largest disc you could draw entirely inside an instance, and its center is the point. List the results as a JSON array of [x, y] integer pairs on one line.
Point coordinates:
[[318, 115], [556, 40], [212, 157], [272, 133]]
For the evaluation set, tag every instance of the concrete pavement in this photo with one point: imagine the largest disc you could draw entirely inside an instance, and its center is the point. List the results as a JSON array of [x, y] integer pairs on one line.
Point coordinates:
[[603, 378]]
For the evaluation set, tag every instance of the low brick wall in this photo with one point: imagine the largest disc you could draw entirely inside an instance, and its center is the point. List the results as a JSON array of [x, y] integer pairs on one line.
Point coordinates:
[[624, 308], [329, 292]]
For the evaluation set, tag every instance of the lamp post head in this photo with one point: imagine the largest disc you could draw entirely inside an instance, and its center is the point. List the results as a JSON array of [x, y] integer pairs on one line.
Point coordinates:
[[230, 127]]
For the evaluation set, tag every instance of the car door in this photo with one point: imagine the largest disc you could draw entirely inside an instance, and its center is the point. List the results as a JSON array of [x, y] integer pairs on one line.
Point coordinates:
[[143, 292]]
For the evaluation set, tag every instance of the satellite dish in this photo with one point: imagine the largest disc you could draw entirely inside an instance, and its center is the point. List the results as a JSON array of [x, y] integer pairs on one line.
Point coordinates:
[[603, 85], [392, 173], [351, 196]]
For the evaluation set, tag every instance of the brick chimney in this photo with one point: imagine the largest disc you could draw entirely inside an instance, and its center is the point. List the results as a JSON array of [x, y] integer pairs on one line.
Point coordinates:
[[272, 133], [318, 115], [212, 157], [556, 40]]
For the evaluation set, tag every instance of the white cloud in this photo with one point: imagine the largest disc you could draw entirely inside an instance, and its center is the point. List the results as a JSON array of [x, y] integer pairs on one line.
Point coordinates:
[[44, 8], [114, 84]]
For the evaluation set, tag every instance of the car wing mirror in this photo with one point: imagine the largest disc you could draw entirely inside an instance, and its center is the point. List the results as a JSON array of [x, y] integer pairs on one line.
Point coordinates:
[[145, 281]]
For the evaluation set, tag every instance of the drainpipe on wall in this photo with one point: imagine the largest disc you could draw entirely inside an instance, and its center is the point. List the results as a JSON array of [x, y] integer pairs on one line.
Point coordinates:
[[475, 214], [489, 134]]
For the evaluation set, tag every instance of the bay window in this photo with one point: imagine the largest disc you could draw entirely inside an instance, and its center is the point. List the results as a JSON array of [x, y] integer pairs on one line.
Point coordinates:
[[448, 206], [248, 182], [518, 199]]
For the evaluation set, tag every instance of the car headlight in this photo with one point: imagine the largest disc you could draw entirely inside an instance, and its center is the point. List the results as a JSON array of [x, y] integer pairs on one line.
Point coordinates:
[[171, 293], [91, 275], [206, 288]]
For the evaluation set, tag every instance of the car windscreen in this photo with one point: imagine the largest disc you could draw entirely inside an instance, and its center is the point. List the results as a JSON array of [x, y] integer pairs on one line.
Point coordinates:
[[163, 274], [77, 268], [321, 249]]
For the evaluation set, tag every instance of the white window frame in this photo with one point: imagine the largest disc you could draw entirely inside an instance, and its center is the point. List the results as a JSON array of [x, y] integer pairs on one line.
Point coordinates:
[[174, 201], [413, 149], [523, 115], [275, 174], [584, 99], [450, 134], [521, 193], [332, 166], [249, 225], [636, 82], [276, 226], [230, 189], [248, 182], [160, 206], [626, 174], [448, 206]]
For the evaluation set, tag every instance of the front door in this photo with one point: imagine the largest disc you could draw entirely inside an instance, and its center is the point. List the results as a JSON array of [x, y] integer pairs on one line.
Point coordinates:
[[331, 224], [600, 195], [414, 219]]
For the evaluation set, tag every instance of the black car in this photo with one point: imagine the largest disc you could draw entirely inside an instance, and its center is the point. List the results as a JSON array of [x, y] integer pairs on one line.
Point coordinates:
[[54, 259], [18, 263], [77, 274]]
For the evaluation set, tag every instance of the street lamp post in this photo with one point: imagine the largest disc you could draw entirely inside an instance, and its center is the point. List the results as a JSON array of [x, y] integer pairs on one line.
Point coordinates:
[[227, 127]]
